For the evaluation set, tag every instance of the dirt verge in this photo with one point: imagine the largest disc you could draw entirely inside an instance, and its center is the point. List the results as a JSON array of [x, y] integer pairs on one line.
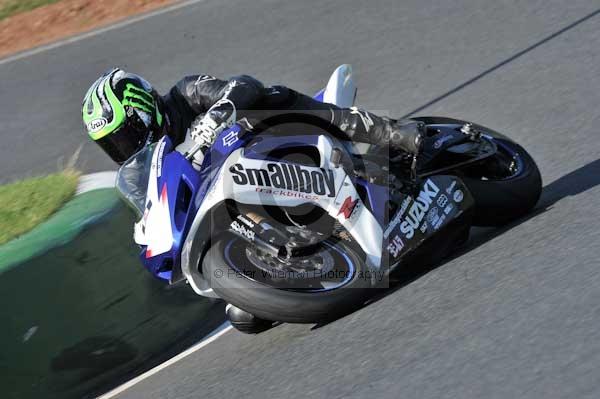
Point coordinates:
[[66, 18]]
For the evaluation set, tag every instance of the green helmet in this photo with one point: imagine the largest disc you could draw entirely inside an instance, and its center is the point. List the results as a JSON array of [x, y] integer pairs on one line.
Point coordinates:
[[121, 112]]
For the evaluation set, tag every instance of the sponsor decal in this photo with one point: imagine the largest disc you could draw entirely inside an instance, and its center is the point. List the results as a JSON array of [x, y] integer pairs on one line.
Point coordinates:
[[458, 196], [161, 149], [451, 188], [417, 211], [230, 139], [347, 207], [448, 209], [398, 217], [287, 177], [433, 216], [442, 200], [95, 125], [242, 230], [439, 222], [405, 205], [395, 246], [245, 220], [284, 193], [440, 142]]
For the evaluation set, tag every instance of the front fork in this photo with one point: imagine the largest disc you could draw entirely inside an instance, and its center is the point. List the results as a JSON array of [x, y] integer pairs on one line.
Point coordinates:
[[270, 237]]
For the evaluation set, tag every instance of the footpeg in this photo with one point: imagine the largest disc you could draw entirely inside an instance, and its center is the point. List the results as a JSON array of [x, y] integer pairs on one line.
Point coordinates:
[[246, 322]]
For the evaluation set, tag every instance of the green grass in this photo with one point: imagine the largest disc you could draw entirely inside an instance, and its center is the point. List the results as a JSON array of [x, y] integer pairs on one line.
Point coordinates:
[[12, 7], [27, 203]]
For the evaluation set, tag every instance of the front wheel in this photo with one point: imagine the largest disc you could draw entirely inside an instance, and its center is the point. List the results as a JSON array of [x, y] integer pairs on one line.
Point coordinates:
[[327, 284]]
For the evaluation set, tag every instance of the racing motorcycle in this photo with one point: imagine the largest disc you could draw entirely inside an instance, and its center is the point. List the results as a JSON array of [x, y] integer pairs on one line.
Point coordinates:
[[300, 228]]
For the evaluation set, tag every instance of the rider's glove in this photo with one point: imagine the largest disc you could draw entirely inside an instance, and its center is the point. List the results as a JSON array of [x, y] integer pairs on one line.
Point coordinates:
[[205, 129]]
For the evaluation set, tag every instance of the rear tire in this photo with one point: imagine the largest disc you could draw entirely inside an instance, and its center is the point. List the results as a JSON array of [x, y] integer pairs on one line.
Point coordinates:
[[500, 201], [277, 304]]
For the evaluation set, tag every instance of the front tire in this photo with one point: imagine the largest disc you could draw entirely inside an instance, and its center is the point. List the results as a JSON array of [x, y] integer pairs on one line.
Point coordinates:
[[233, 284]]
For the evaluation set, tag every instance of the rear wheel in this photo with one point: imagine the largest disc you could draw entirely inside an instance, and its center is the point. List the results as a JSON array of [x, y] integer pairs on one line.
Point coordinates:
[[505, 186], [323, 285]]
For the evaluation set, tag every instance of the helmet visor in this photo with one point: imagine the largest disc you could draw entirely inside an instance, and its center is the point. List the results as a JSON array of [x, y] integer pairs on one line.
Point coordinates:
[[124, 142]]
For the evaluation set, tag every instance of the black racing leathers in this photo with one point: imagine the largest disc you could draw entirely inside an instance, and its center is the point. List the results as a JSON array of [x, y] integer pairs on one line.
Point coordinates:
[[261, 106]]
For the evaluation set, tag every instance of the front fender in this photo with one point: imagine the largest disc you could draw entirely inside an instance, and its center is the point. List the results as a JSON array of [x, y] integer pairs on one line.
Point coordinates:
[[253, 182], [199, 238]]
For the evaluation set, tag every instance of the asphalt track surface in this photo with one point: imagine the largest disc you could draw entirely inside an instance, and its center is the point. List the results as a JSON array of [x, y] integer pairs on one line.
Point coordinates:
[[515, 315]]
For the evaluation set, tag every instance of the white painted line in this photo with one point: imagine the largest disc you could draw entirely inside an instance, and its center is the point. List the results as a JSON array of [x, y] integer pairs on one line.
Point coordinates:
[[95, 181], [211, 338], [99, 31]]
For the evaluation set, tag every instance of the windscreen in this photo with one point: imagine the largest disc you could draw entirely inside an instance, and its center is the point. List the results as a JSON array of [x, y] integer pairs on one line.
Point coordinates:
[[132, 179]]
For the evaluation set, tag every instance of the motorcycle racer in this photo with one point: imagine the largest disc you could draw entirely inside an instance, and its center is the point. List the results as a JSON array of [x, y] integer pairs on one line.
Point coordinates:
[[122, 111]]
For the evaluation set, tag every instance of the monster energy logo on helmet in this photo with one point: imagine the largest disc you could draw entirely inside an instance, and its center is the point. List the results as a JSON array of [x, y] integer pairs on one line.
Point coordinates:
[[113, 98]]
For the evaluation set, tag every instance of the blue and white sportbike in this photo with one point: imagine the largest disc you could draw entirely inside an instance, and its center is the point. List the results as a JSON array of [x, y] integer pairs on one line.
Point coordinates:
[[300, 228]]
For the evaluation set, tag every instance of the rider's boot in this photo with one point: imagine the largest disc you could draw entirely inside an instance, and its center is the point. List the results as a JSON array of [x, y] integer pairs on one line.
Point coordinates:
[[405, 134]]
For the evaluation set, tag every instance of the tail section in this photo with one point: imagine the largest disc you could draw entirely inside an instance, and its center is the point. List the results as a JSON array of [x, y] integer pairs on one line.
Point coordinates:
[[340, 89]]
